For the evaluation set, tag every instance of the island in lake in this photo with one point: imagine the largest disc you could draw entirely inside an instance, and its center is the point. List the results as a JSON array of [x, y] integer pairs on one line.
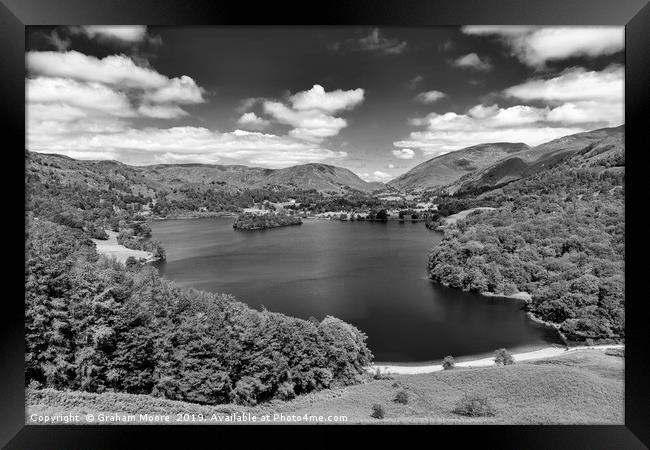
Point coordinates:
[[251, 221]]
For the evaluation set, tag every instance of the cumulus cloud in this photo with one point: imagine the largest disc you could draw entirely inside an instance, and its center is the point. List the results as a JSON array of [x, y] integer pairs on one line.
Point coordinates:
[[520, 123], [377, 175], [115, 70], [85, 107], [253, 121], [472, 61], [42, 124], [573, 101], [405, 153], [72, 95], [181, 90], [161, 111], [429, 96], [311, 113], [122, 33], [536, 45], [308, 124], [186, 143], [90, 98], [578, 95], [329, 102], [373, 42], [574, 84], [434, 142]]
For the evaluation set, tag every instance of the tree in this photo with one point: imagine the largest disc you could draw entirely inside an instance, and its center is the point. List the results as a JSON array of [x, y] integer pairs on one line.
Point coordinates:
[[503, 357], [448, 363], [382, 215], [286, 390], [401, 397], [474, 405], [97, 233], [377, 411], [131, 262]]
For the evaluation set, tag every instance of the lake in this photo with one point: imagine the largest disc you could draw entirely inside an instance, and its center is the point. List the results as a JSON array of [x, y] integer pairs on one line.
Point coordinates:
[[370, 274]]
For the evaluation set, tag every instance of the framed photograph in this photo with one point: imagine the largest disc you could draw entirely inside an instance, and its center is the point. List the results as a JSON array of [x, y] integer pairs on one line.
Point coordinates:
[[366, 213]]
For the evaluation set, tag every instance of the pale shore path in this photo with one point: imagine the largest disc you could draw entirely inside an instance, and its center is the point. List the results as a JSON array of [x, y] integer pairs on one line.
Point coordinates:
[[112, 249], [485, 362], [453, 218]]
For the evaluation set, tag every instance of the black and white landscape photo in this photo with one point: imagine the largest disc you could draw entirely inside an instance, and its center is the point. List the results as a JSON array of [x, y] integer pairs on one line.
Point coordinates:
[[324, 225]]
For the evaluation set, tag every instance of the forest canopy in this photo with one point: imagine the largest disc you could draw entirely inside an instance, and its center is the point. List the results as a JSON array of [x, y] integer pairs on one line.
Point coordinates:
[[95, 325], [250, 221], [559, 236]]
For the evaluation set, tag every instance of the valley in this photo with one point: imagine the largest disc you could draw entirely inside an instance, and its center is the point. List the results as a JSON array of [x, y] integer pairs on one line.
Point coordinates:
[[511, 235]]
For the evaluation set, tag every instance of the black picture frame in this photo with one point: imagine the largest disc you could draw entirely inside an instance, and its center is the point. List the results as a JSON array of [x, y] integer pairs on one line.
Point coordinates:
[[15, 15]]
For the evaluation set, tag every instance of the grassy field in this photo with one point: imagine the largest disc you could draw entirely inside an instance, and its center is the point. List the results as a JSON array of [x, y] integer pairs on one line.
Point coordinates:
[[582, 387]]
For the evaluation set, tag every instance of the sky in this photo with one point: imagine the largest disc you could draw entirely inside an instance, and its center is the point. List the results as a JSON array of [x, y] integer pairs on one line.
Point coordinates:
[[377, 101]]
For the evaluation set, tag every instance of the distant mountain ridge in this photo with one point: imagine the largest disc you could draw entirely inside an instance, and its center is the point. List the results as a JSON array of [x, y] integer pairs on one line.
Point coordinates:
[[321, 177], [486, 166], [590, 146], [445, 169]]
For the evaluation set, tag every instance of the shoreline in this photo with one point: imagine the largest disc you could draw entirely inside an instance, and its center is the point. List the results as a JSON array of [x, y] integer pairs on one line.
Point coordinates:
[[188, 217], [520, 296], [396, 369], [524, 297], [111, 249]]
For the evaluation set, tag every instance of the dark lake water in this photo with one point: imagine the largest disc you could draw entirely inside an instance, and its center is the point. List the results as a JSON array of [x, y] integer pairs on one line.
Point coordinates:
[[372, 275]]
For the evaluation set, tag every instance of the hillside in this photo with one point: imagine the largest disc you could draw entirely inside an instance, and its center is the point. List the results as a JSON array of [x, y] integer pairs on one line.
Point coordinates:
[[95, 325], [96, 194], [594, 147], [555, 231], [446, 169], [583, 387], [321, 177]]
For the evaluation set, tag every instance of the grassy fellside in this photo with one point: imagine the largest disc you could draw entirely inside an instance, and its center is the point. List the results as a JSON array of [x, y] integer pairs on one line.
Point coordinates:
[[581, 387]]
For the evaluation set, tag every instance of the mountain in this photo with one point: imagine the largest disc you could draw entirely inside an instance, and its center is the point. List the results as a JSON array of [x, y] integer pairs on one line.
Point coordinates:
[[321, 177], [486, 166], [229, 178], [446, 169], [590, 146]]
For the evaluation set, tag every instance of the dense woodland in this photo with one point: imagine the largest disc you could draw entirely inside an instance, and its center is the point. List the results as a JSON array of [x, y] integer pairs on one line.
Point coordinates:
[[557, 235], [250, 221], [95, 325], [136, 237]]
